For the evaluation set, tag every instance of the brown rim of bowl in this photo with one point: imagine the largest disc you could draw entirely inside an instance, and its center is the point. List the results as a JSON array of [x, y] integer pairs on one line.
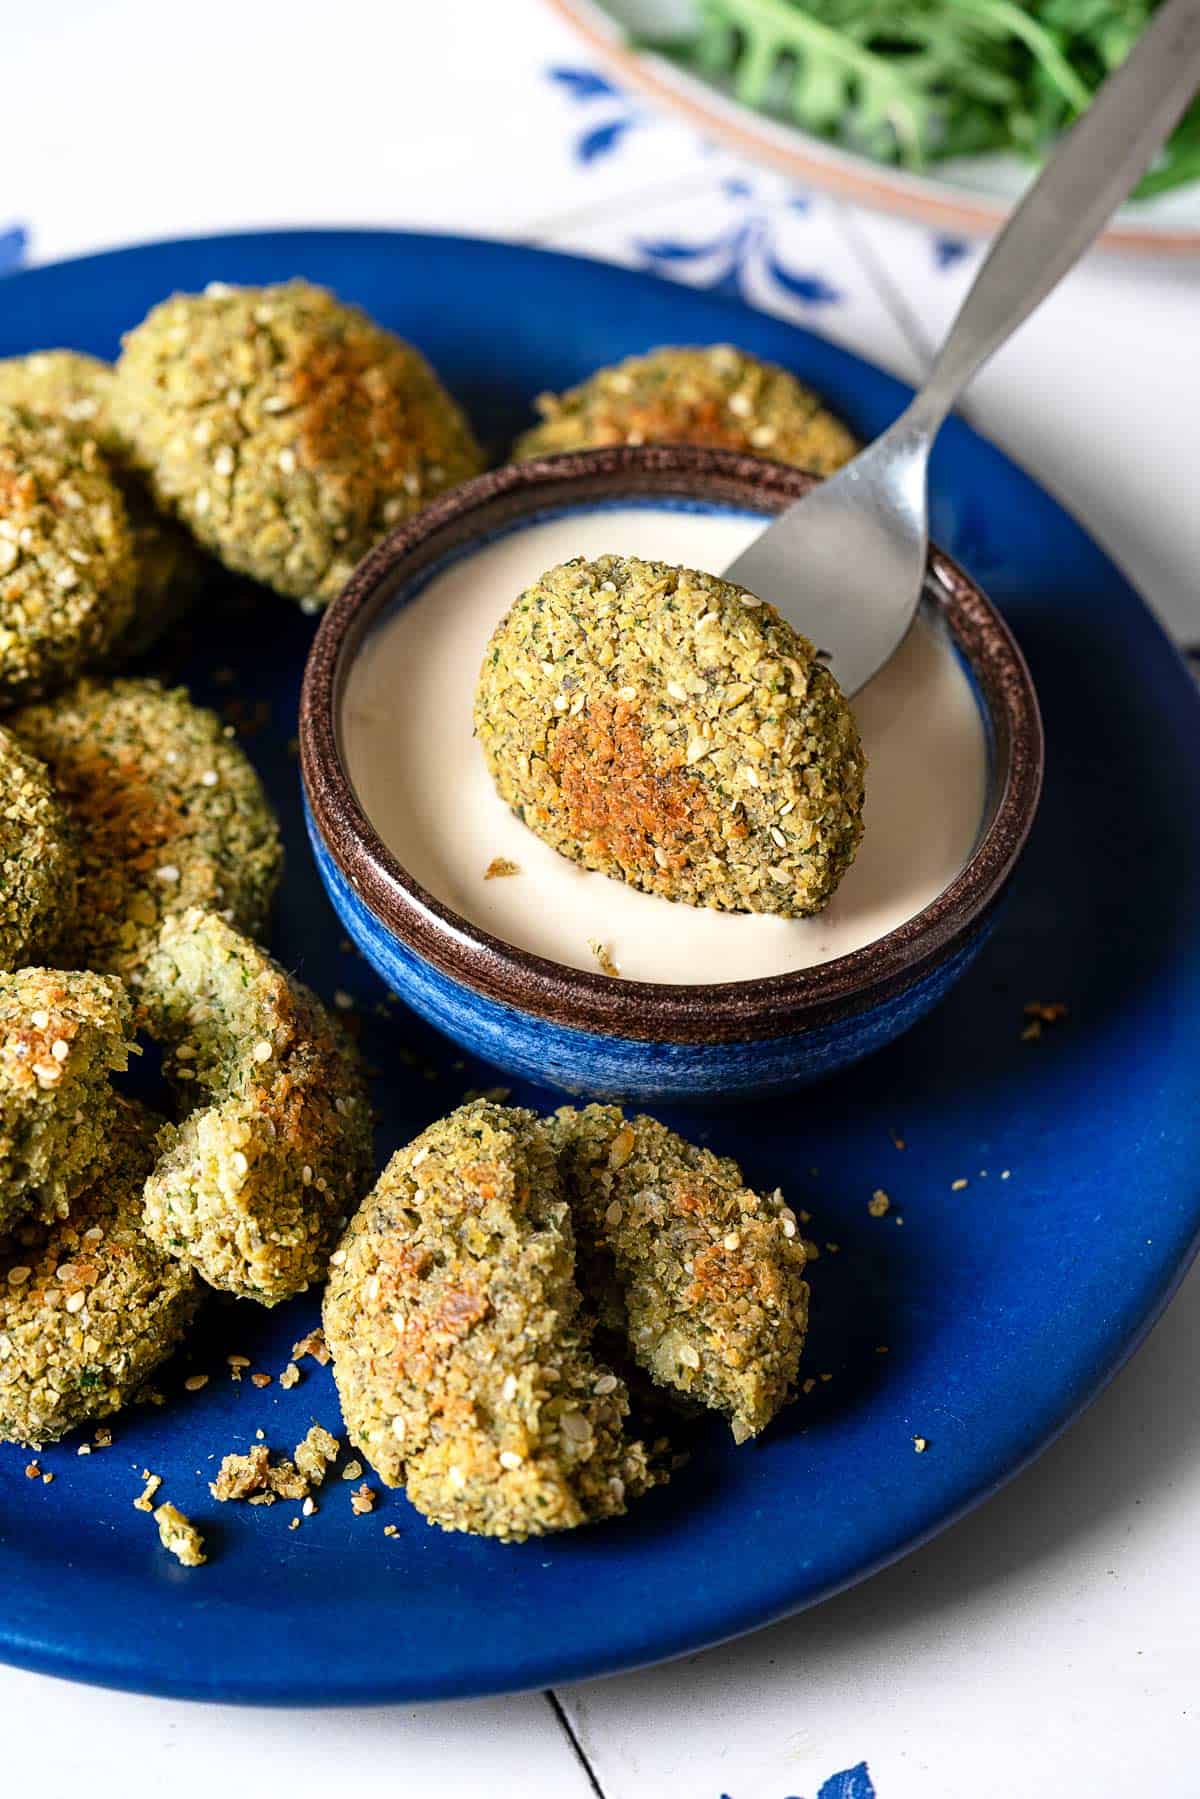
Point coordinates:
[[750, 134], [716, 1012]]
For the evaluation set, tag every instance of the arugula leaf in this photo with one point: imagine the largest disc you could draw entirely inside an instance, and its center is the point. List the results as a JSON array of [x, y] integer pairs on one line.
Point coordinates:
[[931, 79]]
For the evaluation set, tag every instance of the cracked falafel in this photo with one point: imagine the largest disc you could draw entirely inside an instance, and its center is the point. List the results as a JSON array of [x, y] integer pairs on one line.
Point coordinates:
[[459, 1340], [254, 1186], [701, 1276]]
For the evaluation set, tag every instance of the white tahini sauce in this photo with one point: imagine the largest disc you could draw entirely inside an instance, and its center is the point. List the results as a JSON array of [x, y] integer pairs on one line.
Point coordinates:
[[421, 778]]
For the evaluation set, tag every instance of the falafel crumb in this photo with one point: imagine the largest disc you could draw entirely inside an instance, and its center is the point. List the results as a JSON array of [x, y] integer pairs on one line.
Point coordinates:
[[499, 867], [33, 1471], [195, 1383], [286, 1480], [258, 1479], [315, 1454], [920, 1444], [362, 1500], [145, 1500], [291, 1377], [178, 1534], [260, 1380], [313, 1345], [879, 1203], [241, 1475], [604, 958]]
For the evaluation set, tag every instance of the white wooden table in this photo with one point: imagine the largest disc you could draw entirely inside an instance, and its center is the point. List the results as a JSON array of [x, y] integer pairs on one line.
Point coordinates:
[[1048, 1645]]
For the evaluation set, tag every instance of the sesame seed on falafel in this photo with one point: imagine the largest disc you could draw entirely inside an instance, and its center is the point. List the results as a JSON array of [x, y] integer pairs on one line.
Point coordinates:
[[37, 861], [169, 567], [274, 1150], [701, 1276], [168, 809], [459, 1341], [719, 396], [664, 727], [66, 555], [61, 1035], [287, 429], [88, 1307]]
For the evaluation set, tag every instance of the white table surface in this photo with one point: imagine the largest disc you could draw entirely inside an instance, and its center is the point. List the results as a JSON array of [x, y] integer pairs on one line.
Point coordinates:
[[1049, 1644]]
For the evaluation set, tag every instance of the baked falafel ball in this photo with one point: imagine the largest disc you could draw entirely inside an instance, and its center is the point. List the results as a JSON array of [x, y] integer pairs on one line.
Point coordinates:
[[37, 861], [65, 385], [288, 430], [254, 1187], [667, 728], [66, 555], [720, 397], [703, 1275], [61, 1035], [169, 567], [168, 811], [88, 1307], [459, 1341]]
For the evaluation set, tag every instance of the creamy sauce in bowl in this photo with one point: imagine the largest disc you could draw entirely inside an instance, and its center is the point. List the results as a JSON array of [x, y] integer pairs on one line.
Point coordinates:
[[409, 750]]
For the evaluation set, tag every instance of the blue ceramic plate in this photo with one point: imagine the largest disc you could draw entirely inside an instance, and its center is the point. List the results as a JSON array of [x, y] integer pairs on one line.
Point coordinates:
[[1003, 1304]]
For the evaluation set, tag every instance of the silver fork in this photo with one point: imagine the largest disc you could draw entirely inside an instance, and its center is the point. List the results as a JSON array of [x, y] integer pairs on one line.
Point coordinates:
[[846, 564]]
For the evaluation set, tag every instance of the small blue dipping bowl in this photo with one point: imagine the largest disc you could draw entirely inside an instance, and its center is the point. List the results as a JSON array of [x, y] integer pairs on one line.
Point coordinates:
[[636, 1040]]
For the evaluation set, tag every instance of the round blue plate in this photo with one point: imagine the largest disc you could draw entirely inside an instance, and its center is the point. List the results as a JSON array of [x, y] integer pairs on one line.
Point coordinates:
[[1002, 1304]]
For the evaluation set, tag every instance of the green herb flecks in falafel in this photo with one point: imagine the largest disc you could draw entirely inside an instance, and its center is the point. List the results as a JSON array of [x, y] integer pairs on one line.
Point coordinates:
[[274, 1153], [288, 430], [460, 1344], [88, 1307], [61, 1035], [664, 727], [701, 1276], [169, 814], [720, 397], [66, 555]]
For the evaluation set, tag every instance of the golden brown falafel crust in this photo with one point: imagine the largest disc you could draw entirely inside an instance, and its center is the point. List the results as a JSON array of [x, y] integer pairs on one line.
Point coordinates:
[[719, 397], [61, 1035], [663, 726], [287, 429], [66, 555], [703, 1276], [168, 811], [38, 864], [77, 391], [256, 1184], [88, 1307], [460, 1345]]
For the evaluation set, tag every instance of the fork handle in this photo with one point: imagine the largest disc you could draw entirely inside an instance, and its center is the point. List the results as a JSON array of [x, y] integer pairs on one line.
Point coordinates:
[[1098, 164]]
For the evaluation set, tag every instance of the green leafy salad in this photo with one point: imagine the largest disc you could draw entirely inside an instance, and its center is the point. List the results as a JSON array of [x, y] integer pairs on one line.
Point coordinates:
[[930, 79]]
